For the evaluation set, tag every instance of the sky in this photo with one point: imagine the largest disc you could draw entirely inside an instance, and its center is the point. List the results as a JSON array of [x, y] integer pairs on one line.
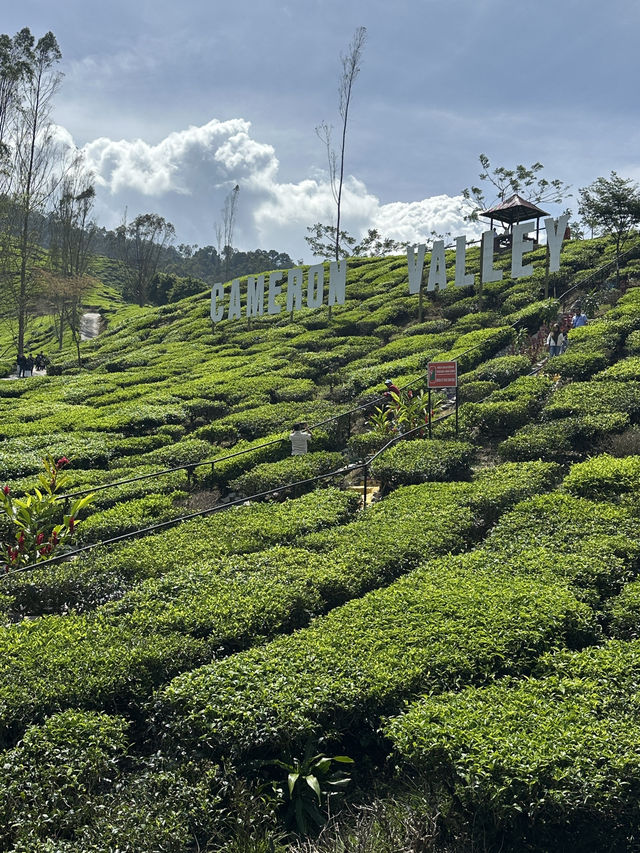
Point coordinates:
[[175, 103]]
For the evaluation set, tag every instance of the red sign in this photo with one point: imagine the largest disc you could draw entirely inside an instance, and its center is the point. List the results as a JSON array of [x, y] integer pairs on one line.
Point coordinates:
[[442, 374]]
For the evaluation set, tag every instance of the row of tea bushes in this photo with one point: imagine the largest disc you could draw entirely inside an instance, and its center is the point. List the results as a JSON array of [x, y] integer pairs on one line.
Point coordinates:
[[127, 648], [99, 576], [562, 439], [550, 760], [436, 627], [507, 409], [418, 460], [71, 786], [273, 475]]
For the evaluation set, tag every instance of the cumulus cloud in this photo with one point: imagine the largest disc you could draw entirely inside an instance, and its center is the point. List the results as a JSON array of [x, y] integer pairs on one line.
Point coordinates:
[[186, 176]]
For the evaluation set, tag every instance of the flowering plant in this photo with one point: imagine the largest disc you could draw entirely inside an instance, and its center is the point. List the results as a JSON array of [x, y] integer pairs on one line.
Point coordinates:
[[38, 522]]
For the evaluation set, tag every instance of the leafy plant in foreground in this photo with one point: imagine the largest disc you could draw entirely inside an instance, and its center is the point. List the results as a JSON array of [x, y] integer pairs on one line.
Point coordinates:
[[310, 781], [36, 530]]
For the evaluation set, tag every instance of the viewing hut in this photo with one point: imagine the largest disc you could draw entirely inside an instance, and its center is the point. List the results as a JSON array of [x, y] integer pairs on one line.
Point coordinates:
[[512, 210]]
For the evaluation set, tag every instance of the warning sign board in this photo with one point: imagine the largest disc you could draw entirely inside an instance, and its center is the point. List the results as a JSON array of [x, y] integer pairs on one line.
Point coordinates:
[[442, 374]]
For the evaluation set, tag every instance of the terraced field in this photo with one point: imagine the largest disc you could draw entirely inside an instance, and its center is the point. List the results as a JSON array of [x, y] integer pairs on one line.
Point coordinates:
[[469, 640]]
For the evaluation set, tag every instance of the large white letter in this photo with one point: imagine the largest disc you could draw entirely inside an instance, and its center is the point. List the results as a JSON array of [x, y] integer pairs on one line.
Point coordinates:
[[518, 247], [415, 267], [337, 282], [463, 279], [234, 300], [294, 289], [489, 272], [255, 296], [315, 286], [555, 236], [274, 290], [437, 267], [217, 311]]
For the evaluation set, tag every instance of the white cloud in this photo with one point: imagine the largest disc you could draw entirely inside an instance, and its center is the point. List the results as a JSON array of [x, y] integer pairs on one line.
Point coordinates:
[[186, 176]]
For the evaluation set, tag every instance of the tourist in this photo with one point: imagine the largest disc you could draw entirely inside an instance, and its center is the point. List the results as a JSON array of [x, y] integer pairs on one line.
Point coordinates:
[[299, 439], [579, 319], [391, 388], [555, 340]]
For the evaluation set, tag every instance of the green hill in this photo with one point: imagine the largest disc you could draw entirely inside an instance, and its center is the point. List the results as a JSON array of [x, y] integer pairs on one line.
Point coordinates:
[[469, 640]]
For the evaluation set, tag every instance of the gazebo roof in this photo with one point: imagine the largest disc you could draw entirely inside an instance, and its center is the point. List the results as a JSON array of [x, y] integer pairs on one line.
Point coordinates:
[[514, 209]]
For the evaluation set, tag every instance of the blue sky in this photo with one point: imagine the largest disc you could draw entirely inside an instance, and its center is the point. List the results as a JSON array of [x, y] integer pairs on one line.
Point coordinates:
[[175, 103]]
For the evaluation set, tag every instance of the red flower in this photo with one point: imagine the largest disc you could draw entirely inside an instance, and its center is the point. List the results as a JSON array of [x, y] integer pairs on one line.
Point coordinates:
[[39, 538], [72, 522], [62, 461], [21, 541], [6, 490]]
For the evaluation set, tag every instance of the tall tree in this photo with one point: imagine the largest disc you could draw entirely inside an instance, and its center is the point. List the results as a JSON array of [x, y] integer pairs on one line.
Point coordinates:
[[350, 70], [612, 206], [224, 230], [72, 233], [34, 160], [140, 244], [15, 64]]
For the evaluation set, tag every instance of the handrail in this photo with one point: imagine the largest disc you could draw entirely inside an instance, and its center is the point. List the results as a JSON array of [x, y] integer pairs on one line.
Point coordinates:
[[180, 519]]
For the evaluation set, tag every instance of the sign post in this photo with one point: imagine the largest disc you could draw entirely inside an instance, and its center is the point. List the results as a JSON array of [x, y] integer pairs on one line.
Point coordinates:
[[442, 374]]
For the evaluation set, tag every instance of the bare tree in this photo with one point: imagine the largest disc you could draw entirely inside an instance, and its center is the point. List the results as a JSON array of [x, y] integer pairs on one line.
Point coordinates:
[[350, 70], [224, 230]]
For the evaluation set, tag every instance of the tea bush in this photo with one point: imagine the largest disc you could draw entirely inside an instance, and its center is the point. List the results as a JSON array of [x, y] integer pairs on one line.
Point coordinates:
[[420, 460], [604, 477], [550, 760], [428, 630], [272, 475], [97, 577]]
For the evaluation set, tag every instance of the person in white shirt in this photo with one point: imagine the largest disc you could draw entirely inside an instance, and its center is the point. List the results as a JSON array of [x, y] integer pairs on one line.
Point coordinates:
[[299, 439]]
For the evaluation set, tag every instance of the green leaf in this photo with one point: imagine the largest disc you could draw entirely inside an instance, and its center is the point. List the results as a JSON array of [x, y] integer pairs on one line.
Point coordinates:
[[313, 783]]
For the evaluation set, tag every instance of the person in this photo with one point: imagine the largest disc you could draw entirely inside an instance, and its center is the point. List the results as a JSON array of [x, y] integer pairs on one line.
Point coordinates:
[[391, 388], [299, 439], [29, 362], [555, 340], [21, 365], [579, 319]]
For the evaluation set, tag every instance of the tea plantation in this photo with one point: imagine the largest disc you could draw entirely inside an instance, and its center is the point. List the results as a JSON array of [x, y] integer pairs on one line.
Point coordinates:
[[453, 667]]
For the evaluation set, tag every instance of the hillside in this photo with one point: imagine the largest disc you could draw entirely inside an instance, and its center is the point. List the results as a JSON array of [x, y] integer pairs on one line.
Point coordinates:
[[470, 640]]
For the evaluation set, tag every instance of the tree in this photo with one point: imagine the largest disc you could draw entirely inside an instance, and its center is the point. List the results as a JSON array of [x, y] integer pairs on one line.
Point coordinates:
[[32, 158], [224, 231], [612, 206], [350, 70], [140, 244], [322, 242], [506, 182], [15, 57], [72, 230]]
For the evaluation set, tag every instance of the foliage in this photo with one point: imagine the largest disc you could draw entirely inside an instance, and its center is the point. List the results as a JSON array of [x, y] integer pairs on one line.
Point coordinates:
[[505, 182], [538, 759], [39, 523], [272, 475], [311, 780], [419, 460]]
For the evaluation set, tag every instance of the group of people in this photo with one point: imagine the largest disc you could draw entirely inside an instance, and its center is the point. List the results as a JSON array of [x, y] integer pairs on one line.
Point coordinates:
[[28, 362], [557, 338]]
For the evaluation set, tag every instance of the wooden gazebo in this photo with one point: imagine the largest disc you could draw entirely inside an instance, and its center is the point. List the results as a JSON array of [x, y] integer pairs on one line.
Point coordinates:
[[512, 210]]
